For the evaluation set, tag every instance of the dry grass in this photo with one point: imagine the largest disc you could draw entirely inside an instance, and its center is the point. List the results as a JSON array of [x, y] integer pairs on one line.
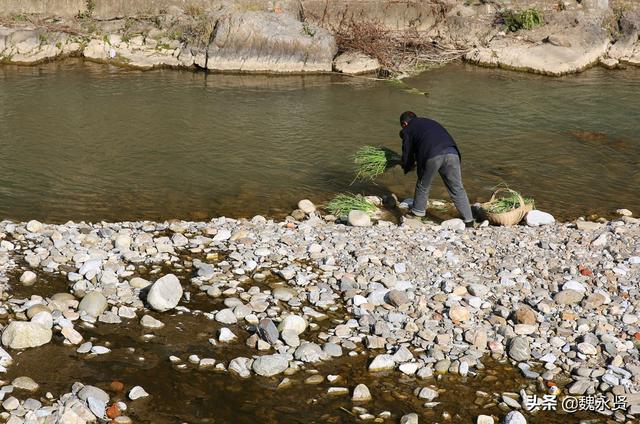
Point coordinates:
[[397, 51]]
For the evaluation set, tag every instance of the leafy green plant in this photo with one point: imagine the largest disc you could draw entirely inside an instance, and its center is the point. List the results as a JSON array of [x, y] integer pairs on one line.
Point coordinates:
[[373, 161], [344, 203], [526, 19], [306, 30]]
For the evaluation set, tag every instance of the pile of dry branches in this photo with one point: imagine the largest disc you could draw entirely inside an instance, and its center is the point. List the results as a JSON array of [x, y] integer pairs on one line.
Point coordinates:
[[397, 51]]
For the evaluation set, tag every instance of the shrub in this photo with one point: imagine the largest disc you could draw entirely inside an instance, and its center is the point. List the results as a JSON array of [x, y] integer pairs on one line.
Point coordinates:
[[515, 21]]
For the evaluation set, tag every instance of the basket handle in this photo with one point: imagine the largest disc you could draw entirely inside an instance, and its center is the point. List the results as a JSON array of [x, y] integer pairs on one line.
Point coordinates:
[[493, 196]]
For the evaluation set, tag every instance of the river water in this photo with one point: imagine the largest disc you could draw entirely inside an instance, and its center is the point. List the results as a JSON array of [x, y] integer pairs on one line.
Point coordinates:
[[86, 141]]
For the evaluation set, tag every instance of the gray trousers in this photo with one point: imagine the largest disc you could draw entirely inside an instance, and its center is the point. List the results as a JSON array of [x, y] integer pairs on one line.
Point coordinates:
[[448, 166]]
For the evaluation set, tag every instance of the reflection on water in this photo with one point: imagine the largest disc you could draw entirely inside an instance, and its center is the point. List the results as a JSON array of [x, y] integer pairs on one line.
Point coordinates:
[[86, 141]]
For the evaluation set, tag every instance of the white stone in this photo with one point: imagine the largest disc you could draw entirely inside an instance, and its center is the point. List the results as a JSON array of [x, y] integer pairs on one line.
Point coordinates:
[[94, 303], [226, 335], [358, 218], [536, 218], [165, 293], [22, 335], [137, 392], [455, 224], [382, 362], [28, 278], [361, 393], [293, 323], [270, 365], [306, 206], [574, 285]]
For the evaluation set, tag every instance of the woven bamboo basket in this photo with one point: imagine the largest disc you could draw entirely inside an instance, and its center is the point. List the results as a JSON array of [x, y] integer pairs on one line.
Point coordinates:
[[509, 218]]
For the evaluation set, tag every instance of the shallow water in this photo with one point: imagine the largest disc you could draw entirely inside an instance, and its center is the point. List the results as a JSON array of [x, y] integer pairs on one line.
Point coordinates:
[[87, 141]]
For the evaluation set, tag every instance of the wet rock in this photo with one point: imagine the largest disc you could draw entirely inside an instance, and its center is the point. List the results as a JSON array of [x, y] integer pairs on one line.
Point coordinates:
[[536, 218], [428, 394], [137, 392], [293, 323], [23, 335], [411, 418], [93, 303], [28, 278], [72, 335], [310, 352], [519, 349], [355, 63], [270, 365], [382, 362], [93, 392], [361, 394], [165, 293], [514, 417], [148, 321], [268, 331], [139, 283], [226, 316], [226, 335], [25, 383], [240, 366], [484, 419], [306, 206], [358, 218]]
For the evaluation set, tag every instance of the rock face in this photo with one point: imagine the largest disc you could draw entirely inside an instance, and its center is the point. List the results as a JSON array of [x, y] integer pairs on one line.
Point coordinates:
[[165, 293], [262, 41], [355, 63], [23, 335], [573, 49]]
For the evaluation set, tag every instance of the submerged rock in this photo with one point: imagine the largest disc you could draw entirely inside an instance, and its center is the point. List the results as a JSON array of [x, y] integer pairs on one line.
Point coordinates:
[[93, 303]]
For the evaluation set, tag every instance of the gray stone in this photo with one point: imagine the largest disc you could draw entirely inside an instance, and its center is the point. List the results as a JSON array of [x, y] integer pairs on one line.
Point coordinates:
[[519, 349], [267, 331], [293, 323], [514, 417]]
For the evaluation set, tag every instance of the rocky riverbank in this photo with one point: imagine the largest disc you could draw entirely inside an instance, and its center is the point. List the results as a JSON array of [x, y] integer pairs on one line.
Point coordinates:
[[425, 301], [353, 37]]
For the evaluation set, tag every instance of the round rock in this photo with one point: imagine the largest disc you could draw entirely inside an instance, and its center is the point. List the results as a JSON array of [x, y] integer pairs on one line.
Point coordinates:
[[165, 293]]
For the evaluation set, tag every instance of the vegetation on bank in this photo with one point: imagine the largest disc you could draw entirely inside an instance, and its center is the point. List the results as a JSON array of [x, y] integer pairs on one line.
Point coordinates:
[[343, 203], [516, 20]]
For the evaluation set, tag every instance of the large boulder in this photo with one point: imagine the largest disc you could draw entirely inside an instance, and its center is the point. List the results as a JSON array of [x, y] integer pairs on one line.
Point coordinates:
[[23, 335], [165, 293], [252, 41]]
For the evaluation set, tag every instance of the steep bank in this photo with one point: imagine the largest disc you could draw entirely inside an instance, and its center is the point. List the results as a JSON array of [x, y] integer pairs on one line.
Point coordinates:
[[305, 36]]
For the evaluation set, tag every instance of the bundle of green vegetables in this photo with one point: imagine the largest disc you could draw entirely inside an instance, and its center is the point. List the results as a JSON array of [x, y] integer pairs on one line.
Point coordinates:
[[505, 204], [344, 203], [373, 161]]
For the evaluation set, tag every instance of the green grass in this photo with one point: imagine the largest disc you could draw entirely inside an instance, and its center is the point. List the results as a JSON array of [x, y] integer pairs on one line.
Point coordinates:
[[372, 162], [344, 203], [525, 19]]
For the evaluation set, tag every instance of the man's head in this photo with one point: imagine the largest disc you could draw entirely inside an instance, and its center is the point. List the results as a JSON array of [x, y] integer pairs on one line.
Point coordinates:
[[406, 117]]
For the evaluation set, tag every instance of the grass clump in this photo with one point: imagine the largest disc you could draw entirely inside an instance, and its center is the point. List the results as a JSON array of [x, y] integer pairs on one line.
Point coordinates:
[[373, 161], [526, 19], [344, 203]]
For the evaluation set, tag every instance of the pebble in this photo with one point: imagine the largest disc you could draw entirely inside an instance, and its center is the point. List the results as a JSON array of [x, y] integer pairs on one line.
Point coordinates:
[[361, 393], [137, 392], [165, 293]]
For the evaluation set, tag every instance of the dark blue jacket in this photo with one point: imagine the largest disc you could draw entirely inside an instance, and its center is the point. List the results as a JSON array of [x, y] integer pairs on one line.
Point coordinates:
[[422, 140]]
